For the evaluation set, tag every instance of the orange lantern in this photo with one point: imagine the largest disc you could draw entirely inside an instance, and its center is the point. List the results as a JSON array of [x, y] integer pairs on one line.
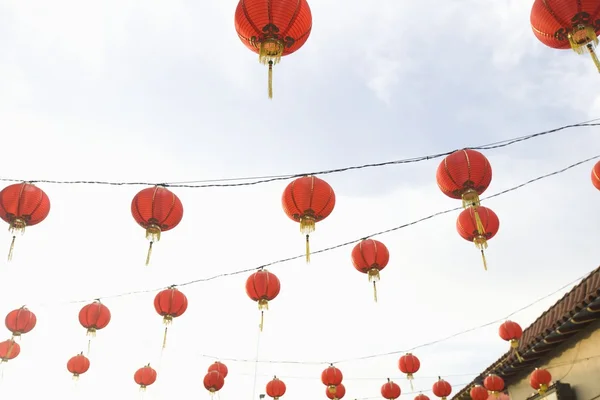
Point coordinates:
[[390, 390], [22, 205], [145, 377], [332, 377], [9, 350], [308, 200], [494, 384], [157, 210], [567, 24], [262, 287], [219, 367], [213, 381], [78, 365], [170, 303], [370, 257], [340, 392], [409, 364], [20, 321], [442, 389], [540, 380], [478, 232], [275, 388], [512, 332], [478, 392], [273, 29]]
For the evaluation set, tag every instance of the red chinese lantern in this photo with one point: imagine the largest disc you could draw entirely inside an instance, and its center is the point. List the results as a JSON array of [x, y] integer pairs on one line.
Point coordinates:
[[273, 29], [93, 317], [596, 175], [145, 376], [340, 392], [478, 232], [276, 388], [478, 392], [390, 390], [512, 332], [421, 397], [157, 210], [540, 380], [369, 257], [262, 287], [567, 24], [9, 350], [219, 367], [170, 303], [442, 389], [22, 205], [214, 381], [464, 174], [409, 364], [78, 365], [494, 384], [308, 200], [20, 321], [332, 377]]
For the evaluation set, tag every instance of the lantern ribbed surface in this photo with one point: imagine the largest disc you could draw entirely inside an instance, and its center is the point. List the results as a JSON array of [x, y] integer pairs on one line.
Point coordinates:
[[466, 224], [24, 201], [157, 205], [464, 170], [308, 195]]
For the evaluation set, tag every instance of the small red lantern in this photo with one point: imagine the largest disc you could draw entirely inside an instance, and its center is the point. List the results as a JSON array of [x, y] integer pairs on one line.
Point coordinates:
[[262, 287], [219, 367], [276, 388], [214, 381], [409, 364], [442, 389], [478, 226], [20, 321], [78, 365], [308, 200], [512, 332], [421, 396], [145, 377], [273, 29], [494, 384], [340, 392], [540, 380], [170, 303], [93, 317], [478, 392], [596, 175], [157, 210], [390, 390], [370, 257], [332, 377], [9, 350], [567, 24], [22, 205], [464, 174]]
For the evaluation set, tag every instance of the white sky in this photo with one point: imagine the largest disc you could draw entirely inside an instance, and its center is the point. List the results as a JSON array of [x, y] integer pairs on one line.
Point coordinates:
[[163, 91]]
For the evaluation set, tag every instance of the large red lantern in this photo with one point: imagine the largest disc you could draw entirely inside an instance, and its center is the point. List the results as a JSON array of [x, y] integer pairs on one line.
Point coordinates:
[[390, 390], [340, 392], [567, 24], [494, 384], [145, 376], [478, 392], [464, 174], [9, 350], [157, 210], [273, 29], [370, 257], [478, 226], [540, 380], [213, 381], [22, 205], [275, 388], [308, 200], [170, 303], [409, 364], [20, 321], [262, 287], [78, 365], [219, 367], [332, 377], [512, 332], [442, 389]]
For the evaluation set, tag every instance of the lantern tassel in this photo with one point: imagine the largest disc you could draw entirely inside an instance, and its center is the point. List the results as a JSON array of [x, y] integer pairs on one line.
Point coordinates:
[[270, 79], [149, 253], [164, 344], [484, 260], [478, 223], [592, 52], [375, 291], [12, 248], [308, 249], [410, 379], [262, 320], [89, 347]]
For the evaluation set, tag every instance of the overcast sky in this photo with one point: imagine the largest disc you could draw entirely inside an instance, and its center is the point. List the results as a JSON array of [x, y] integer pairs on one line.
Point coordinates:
[[158, 91]]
